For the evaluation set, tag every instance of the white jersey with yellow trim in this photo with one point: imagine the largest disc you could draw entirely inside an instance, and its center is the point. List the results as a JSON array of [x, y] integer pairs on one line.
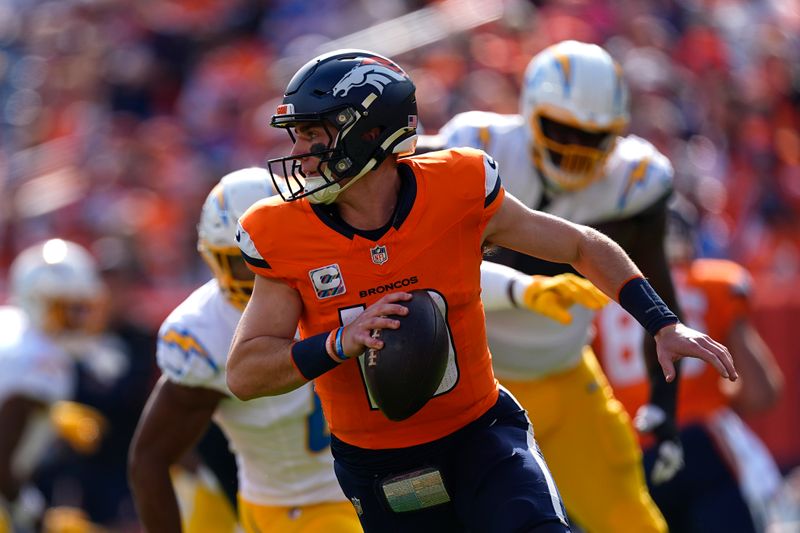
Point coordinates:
[[637, 176], [34, 366], [282, 443]]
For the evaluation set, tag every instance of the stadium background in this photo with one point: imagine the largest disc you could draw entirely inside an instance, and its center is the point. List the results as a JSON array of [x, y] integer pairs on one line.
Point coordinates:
[[117, 117]]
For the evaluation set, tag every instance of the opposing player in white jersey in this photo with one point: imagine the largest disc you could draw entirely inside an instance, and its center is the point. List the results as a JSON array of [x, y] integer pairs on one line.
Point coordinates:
[[56, 296], [286, 478], [565, 154]]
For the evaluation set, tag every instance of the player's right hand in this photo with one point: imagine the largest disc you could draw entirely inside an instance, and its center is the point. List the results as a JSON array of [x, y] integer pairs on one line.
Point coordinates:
[[553, 296], [357, 335]]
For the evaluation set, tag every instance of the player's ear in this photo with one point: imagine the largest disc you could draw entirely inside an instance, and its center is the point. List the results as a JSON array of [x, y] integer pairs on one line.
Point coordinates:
[[371, 135]]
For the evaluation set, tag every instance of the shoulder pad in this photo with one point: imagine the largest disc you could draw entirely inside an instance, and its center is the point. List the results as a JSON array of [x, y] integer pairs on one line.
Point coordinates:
[[186, 344], [477, 128], [184, 359], [248, 248], [641, 174]]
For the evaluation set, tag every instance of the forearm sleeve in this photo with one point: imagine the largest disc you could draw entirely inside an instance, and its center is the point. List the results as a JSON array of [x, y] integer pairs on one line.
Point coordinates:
[[502, 287]]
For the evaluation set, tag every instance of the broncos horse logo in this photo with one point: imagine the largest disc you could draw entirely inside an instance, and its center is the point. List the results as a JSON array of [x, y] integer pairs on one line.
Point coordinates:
[[374, 74]]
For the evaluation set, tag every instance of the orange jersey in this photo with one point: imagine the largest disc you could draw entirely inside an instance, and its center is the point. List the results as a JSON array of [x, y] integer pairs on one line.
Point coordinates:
[[713, 295], [433, 242]]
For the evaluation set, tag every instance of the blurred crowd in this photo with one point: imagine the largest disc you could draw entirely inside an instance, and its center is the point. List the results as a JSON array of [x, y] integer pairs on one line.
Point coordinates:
[[117, 117]]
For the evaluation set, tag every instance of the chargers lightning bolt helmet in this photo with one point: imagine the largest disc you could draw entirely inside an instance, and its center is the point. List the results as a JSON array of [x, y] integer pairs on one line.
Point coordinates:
[[57, 284], [350, 93], [575, 103], [216, 231]]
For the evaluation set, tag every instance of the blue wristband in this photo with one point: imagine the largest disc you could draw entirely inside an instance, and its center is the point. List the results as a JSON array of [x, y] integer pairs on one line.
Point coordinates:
[[639, 299], [311, 357], [338, 343]]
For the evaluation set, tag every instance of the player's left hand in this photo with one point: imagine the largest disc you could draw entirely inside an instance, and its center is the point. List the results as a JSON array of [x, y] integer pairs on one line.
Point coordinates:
[[676, 341], [651, 418], [553, 296]]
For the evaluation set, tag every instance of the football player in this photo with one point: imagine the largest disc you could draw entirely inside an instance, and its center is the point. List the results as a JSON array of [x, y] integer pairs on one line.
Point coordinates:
[[360, 227], [55, 315], [708, 495], [282, 445], [565, 154]]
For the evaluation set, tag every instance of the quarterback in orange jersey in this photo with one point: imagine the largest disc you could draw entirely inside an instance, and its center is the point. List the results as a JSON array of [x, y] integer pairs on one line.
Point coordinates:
[[435, 258], [730, 475], [358, 229]]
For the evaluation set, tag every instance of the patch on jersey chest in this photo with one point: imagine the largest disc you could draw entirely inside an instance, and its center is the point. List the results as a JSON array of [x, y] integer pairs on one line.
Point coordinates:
[[327, 281], [379, 254]]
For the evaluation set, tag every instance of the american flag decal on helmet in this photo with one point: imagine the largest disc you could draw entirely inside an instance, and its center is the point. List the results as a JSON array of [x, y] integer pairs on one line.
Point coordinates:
[[285, 109]]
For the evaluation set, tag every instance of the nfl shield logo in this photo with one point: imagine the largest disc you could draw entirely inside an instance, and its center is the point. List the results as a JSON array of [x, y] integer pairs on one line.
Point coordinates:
[[379, 254]]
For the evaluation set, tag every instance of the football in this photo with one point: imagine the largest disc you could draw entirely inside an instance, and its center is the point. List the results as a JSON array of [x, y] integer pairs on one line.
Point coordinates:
[[406, 372]]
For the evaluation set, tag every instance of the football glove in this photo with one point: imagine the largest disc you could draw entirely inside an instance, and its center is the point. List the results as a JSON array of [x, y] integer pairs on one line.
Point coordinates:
[[81, 426], [553, 296], [64, 519], [669, 460]]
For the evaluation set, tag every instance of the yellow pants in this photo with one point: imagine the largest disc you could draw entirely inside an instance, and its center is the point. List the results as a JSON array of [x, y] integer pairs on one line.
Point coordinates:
[[339, 517], [591, 449], [203, 505]]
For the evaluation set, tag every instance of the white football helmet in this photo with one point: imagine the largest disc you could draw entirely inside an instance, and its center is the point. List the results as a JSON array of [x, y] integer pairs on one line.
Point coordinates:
[[575, 103], [216, 231], [58, 285]]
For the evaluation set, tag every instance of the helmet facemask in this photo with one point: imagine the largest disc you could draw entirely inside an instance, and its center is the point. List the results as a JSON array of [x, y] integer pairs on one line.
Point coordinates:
[[572, 156], [69, 317], [333, 164], [235, 280]]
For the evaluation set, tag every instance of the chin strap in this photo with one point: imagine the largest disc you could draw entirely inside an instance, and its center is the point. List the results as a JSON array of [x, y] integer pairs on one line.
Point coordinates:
[[328, 195]]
